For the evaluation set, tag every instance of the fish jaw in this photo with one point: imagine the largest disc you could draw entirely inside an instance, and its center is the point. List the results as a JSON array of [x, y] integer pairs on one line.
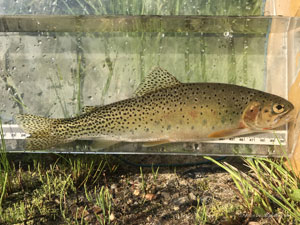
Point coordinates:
[[284, 119]]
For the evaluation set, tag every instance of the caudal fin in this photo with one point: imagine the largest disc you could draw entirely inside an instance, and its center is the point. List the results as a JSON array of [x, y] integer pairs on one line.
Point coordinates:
[[40, 130]]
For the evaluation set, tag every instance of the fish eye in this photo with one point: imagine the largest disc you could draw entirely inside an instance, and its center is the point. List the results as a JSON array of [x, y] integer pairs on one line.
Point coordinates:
[[278, 108]]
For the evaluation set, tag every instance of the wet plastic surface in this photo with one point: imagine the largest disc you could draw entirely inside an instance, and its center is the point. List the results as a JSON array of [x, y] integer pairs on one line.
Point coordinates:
[[54, 67]]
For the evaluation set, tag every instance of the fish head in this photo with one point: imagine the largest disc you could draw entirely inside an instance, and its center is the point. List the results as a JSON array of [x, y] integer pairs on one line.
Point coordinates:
[[268, 113]]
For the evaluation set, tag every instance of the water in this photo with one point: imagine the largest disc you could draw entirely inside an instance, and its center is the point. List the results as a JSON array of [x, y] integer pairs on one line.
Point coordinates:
[[54, 65]]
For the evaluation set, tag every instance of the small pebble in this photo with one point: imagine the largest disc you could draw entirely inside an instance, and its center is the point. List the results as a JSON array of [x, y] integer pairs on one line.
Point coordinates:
[[183, 182], [192, 196], [181, 200], [96, 209], [150, 197], [112, 217], [176, 207], [136, 192], [113, 186], [88, 217], [176, 195], [166, 195], [253, 223]]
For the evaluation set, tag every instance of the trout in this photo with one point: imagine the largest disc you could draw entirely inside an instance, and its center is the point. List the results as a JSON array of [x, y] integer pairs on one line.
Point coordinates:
[[164, 110]]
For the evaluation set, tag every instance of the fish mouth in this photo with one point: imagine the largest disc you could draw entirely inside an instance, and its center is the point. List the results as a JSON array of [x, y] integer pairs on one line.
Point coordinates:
[[285, 117]]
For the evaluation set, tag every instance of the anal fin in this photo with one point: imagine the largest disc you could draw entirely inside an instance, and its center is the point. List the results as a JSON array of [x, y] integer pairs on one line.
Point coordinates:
[[155, 143], [102, 144]]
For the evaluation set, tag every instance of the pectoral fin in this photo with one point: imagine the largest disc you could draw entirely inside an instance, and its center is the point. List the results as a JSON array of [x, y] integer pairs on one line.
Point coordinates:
[[229, 133]]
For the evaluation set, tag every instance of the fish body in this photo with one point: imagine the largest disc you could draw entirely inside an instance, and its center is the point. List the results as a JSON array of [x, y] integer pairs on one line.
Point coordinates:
[[164, 110]]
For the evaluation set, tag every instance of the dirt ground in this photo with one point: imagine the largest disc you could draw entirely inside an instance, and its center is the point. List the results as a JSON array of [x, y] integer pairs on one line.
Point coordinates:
[[198, 194]]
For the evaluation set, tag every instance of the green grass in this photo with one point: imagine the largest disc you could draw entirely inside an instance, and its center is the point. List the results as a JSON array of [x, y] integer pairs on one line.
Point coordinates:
[[60, 96], [4, 169], [268, 188], [201, 213], [42, 192], [143, 184], [102, 200], [154, 173], [76, 190]]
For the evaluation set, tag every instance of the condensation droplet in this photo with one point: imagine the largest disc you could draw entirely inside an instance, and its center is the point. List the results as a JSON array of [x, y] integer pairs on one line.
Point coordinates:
[[226, 34]]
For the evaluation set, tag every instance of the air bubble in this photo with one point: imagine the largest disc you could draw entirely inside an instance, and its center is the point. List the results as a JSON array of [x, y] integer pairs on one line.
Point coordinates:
[[227, 34]]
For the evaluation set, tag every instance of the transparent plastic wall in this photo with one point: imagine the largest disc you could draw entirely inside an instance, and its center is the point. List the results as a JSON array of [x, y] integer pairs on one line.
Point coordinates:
[[53, 65]]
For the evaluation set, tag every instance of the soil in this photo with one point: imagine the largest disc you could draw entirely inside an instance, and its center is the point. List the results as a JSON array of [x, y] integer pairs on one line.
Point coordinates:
[[198, 194]]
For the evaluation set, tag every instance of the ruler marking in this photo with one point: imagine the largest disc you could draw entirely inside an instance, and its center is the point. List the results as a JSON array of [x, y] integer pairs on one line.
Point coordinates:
[[14, 132]]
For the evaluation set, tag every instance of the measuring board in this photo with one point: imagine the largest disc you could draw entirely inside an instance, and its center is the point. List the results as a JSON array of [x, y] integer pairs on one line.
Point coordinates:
[[274, 137]]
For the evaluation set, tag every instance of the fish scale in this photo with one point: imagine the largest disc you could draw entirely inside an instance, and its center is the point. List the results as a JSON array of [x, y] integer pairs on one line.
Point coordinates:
[[165, 110]]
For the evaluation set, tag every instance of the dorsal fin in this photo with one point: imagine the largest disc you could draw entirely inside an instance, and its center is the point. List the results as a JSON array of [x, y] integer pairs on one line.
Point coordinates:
[[87, 109], [157, 79]]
